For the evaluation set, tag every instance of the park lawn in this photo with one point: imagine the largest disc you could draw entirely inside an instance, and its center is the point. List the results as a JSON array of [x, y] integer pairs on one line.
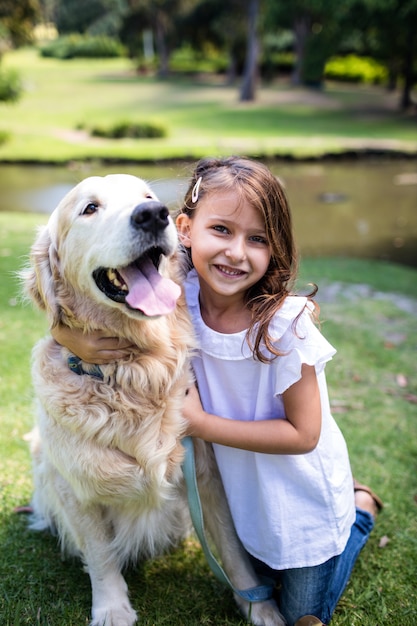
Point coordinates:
[[201, 115], [373, 391]]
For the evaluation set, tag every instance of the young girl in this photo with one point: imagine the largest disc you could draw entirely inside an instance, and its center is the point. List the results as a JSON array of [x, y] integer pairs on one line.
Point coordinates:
[[262, 397]]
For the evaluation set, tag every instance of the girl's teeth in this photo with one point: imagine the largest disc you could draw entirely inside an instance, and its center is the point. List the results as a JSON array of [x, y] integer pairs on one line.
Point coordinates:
[[230, 272]]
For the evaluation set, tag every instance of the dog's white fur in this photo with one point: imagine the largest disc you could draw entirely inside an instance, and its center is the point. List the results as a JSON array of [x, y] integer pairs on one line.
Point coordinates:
[[107, 454]]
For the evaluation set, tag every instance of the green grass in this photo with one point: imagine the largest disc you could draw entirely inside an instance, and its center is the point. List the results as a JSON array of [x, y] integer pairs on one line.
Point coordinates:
[[376, 344], [202, 116], [389, 277]]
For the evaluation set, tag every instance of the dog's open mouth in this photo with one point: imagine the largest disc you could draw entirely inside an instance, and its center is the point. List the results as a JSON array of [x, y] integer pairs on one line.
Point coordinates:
[[140, 285]]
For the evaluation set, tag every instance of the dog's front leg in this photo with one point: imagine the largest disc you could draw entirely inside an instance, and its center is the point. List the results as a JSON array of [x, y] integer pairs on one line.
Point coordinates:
[[220, 525], [110, 604], [93, 537]]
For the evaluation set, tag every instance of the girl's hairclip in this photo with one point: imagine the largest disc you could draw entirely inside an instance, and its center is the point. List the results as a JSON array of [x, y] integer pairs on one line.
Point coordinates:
[[196, 188]]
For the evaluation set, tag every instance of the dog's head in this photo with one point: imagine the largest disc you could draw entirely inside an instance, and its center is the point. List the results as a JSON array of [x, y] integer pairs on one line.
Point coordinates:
[[107, 242]]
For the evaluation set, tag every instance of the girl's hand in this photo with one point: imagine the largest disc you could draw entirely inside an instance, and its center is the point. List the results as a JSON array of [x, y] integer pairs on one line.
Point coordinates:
[[299, 433], [95, 347], [193, 412]]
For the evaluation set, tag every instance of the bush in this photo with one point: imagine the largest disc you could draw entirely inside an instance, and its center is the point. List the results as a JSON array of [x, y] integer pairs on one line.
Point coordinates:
[[4, 136], [277, 63], [83, 46], [354, 69], [185, 60], [10, 86], [131, 130]]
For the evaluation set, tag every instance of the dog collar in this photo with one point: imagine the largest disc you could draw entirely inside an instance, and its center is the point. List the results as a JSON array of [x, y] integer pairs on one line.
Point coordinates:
[[74, 363]]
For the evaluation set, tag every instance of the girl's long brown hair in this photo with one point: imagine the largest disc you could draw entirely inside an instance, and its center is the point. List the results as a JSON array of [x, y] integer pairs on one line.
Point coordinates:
[[254, 182]]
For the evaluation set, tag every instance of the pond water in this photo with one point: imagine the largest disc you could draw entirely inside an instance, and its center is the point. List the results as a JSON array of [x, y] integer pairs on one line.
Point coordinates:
[[362, 209]]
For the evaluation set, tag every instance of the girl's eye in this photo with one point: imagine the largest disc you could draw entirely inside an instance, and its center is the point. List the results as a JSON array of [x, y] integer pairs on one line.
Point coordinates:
[[258, 239], [90, 208], [220, 229]]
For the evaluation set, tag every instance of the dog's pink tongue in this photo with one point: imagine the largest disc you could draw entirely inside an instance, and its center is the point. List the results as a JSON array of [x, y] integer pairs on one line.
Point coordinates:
[[148, 290]]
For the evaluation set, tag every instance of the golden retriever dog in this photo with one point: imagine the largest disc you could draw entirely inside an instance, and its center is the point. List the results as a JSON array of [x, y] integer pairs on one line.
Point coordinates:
[[107, 452]]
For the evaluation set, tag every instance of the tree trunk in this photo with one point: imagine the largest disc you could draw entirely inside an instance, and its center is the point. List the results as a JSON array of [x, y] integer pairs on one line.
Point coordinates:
[[301, 33], [161, 45], [231, 73], [248, 89], [394, 71], [406, 100]]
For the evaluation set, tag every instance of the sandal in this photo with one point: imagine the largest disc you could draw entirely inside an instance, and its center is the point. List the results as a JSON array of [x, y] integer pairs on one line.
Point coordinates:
[[309, 620], [377, 500], [27, 509]]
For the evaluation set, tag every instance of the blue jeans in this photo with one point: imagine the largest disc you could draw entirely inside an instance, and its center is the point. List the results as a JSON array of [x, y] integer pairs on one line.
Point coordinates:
[[317, 590]]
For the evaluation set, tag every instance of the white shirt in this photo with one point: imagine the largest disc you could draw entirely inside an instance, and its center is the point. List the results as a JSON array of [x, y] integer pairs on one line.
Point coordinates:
[[289, 510]]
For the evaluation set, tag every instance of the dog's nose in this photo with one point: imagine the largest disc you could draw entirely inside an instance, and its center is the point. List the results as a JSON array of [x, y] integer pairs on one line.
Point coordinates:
[[150, 216]]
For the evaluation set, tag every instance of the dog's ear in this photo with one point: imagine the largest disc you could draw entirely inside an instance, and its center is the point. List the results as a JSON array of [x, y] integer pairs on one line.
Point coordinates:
[[40, 280]]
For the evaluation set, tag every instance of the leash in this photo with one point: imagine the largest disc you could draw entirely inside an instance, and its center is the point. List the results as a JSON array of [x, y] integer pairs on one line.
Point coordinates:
[[254, 594]]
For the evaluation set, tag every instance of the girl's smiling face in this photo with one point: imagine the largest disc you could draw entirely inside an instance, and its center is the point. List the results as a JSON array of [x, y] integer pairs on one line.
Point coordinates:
[[228, 241]]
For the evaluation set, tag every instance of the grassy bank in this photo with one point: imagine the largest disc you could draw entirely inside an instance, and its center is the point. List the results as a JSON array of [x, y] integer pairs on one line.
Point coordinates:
[[373, 389], [202, 116]]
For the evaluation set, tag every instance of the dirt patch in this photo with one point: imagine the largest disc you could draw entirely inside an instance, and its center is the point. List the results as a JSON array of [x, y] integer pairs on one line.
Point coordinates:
[[334, 292], [77, 136]]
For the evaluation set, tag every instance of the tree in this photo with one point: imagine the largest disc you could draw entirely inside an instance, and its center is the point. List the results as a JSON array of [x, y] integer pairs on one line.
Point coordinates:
[[17, 20], [96, 17], [164, 17], [409, 58], [388, 32], [220, 24], [317, 26], [251, 64], [383, 29]]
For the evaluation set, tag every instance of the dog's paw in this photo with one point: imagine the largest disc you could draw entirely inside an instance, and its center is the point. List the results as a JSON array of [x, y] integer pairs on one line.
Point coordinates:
[[110, 616], [262, 613]]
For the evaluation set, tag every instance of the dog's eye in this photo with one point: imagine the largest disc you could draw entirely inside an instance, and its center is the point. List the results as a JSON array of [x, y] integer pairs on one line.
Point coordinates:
[[90, 208]]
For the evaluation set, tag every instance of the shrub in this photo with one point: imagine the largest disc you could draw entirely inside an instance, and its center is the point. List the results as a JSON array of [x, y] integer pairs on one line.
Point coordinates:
[[10, 86], [83, 46], [277, 63], [185, 60], [354, 69], [4, 136], [132, 130]]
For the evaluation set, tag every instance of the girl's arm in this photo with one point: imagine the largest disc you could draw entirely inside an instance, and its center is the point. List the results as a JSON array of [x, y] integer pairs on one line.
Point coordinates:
[[95, 347], [297, 434]]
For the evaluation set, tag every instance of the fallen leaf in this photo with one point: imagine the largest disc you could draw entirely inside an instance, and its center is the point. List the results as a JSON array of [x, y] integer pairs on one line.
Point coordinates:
[[339, 409], [402, 380]]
